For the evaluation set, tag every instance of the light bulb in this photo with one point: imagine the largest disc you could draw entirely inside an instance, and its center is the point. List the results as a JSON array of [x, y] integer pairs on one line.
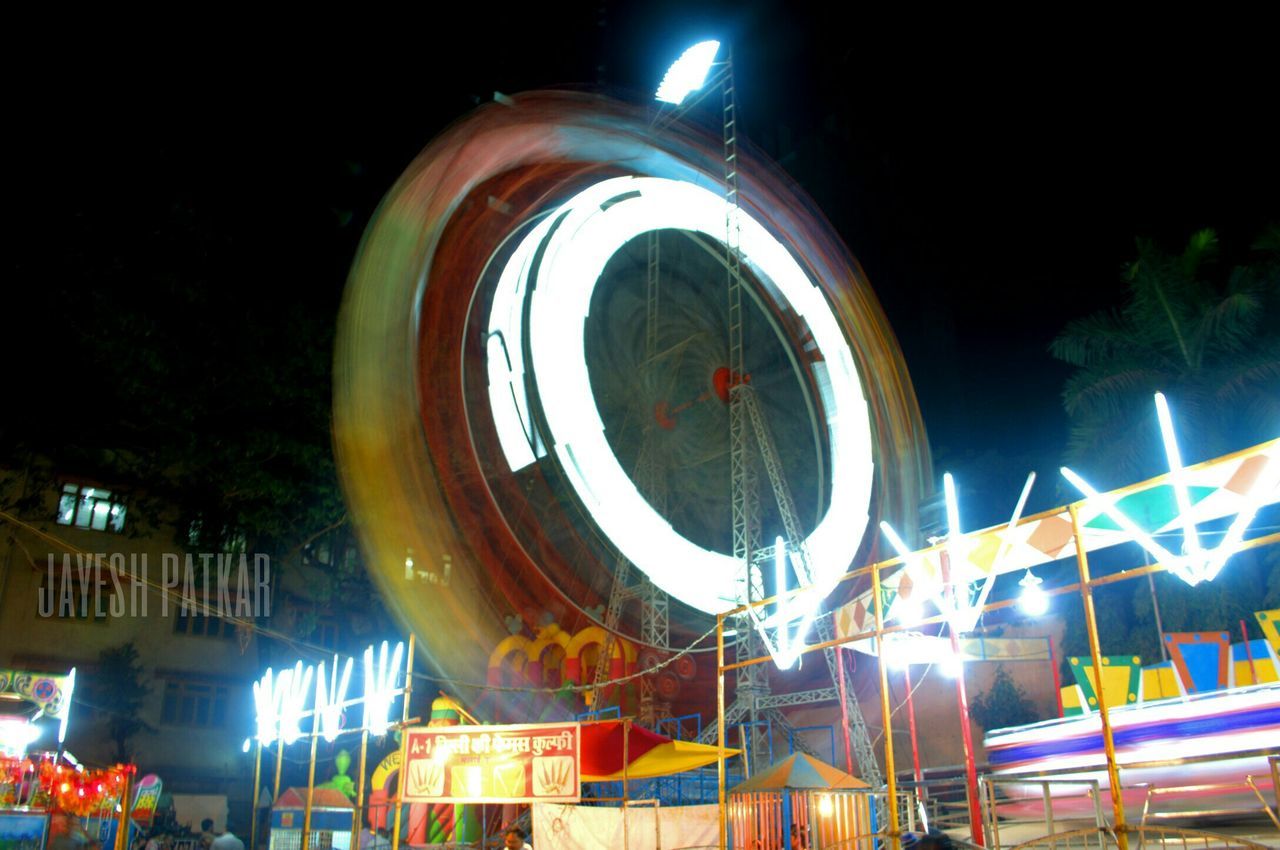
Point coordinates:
[[1034, 601]]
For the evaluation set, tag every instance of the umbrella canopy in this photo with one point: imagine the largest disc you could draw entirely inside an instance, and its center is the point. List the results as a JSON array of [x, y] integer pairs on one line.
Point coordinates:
[[647, 753], [800, 772]]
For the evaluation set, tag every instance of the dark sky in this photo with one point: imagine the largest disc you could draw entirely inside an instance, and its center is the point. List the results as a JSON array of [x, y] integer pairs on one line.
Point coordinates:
[[990, 171]]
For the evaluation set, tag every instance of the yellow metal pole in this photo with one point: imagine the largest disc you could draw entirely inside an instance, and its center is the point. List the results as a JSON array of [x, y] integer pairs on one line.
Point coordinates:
[[311, 786], [724, 827], [275, 790], [358, 816], [122, 822], [891, 779], [404, 746], [253, 802], [1095, 651]]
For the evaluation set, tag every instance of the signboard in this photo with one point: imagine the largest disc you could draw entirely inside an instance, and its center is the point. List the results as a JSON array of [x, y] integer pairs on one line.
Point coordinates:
[[51, 693], [145, 800], [533, 763]]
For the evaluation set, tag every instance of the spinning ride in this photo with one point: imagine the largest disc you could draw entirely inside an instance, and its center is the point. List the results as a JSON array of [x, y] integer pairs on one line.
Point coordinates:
[[532, 378]]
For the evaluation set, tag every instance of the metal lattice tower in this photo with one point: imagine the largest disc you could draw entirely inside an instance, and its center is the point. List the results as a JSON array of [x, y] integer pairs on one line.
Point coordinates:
[[746, 420], [752, 682], [651, 481]]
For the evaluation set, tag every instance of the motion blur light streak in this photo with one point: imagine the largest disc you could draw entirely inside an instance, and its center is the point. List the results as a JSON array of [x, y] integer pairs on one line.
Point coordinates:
[[1197, 564], [574, 254], [469, 421]]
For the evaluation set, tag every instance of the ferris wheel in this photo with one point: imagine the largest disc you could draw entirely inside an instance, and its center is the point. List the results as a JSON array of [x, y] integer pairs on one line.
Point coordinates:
[[535, 371]]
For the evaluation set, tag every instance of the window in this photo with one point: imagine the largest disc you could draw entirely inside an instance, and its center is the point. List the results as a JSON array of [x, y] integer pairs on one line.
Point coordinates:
[[90, 507], [213, 536], [192, 622], [340, 551], [193, 702], [326, 634]]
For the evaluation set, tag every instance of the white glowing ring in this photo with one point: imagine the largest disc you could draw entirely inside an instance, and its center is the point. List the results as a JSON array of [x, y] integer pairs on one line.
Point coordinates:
[[575, 252]]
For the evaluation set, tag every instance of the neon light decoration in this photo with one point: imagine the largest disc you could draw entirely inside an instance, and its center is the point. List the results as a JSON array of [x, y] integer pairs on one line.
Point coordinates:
[[573, 250], [484, 233], [280, 698], [380, 687], [66, 713], [329, 700], [1197, 563], [266, 700], [785, 644], [951, 594], [293, 697]]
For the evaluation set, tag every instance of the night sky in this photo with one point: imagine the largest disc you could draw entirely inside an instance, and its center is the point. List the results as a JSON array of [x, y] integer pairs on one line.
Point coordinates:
[[989, 171]]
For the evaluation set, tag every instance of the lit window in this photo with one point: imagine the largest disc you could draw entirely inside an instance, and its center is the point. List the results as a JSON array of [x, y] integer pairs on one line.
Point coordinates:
[[90, 507]]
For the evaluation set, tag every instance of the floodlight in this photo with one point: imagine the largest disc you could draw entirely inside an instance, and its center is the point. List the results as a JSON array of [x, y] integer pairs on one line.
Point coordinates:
[[688, 73]]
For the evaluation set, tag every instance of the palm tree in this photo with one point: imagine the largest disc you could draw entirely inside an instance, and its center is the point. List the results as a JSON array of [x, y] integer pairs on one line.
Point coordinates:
[[1210, 342]]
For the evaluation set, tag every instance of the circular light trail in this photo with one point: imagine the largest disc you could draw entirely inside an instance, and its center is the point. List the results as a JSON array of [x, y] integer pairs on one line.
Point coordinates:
[[589, 229], [462, 328]]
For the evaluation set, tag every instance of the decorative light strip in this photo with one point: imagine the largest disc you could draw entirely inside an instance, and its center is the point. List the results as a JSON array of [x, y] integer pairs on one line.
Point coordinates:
[[292, 699], [329, 700], [953, 597], [66, 715], [1196, 564], [380, 688], [280, 698], [588, 231]]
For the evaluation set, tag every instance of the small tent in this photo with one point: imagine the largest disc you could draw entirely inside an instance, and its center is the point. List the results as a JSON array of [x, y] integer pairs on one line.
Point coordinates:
[[825, 805]]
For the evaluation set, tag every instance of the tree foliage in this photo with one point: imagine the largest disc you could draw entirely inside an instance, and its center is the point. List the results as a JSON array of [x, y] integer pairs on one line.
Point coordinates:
[[189, 368], [117, 691], [1208, 337], [1004, 704]]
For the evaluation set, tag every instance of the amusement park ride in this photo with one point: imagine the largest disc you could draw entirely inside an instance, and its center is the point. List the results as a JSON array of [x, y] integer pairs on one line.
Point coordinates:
[[593, 355], [580, 341]]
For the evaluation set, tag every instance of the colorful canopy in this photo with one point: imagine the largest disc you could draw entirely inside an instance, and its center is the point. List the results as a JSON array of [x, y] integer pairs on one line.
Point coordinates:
[[321, 798], [647, 753], [800, 772]]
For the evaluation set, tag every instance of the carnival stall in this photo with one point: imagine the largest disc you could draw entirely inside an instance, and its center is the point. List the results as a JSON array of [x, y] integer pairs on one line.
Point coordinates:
[[801, 798], [42, 797], [47, 794], [331, 813]]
